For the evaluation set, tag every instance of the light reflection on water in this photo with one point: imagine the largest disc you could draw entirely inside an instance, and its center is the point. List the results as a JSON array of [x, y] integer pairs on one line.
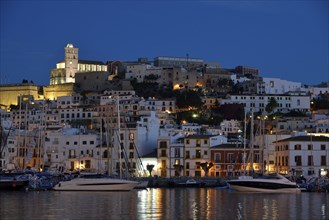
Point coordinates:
[[180, 203]]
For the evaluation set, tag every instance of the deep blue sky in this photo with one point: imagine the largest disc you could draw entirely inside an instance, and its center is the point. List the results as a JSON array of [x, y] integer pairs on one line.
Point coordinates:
[[284, 39]]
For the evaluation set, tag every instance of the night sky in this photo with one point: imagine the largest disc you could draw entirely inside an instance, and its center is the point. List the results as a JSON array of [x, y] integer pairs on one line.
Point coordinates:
[[283, 39]]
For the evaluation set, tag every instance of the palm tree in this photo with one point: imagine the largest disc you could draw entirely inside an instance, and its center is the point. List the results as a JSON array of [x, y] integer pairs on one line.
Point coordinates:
[[206, 167], [149, 168], [178, 169]]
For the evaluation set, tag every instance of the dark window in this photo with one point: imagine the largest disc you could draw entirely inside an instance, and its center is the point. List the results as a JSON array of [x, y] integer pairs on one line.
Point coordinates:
[[298, 147], [298, 160], [310, 160], [323, 161], [163, 144], [163, 153], [187, 154], [198, 154]]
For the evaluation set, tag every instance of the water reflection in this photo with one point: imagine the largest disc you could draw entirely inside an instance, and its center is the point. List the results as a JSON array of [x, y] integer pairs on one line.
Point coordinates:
[[219, 204], [163, 204]]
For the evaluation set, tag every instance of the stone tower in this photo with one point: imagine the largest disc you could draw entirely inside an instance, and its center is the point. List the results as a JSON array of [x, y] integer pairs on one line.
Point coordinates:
[[71, 63]]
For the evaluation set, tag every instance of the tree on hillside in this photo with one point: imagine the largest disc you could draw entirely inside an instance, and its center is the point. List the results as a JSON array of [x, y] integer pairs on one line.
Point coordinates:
[[188, 98], [271, 105], [145, 89]]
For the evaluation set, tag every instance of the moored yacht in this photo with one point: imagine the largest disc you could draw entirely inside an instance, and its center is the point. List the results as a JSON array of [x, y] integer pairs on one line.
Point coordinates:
[[14, 181], [96, 183], [265, 183]]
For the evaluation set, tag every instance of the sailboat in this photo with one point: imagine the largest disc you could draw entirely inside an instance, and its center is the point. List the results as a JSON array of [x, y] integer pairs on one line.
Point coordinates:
[[97, 182]]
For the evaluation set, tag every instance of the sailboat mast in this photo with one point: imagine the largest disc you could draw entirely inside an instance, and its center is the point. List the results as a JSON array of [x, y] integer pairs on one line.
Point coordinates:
[[100, 144], [108, 147], [25, 137], [40, 142], [19, 131], [252, 142], [119, 137], [244, 143]]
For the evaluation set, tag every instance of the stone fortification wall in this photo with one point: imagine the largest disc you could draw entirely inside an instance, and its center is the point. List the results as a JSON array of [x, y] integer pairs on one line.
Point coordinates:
[[53, 91], [9, 94]]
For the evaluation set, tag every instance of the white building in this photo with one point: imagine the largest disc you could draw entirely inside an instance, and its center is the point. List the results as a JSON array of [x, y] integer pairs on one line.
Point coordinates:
[[322, 126], [67, 101], [74, 150], [148, 133], [140, 71], [279, 86], [69, 114], [230, 126], [157, 105], [191, 128], [111, 97], [238, 79], [285, 103], [303, 155], [24, 149], [267, 143]]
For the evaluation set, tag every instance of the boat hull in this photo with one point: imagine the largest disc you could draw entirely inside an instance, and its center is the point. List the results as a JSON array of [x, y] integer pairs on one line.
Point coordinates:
[[264, 184], [266, 190], [96, 184], [142, 185], [14, 184]]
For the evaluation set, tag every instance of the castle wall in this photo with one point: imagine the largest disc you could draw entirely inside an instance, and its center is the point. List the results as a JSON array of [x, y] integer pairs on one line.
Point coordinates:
[[53, 91], [9, 94]]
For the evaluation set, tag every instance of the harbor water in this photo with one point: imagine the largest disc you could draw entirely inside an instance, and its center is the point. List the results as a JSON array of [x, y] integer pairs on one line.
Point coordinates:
[[162, 203]]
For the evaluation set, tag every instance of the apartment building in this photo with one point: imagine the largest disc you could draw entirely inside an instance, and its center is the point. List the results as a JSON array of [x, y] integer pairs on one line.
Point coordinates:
[[157, 105], [24, 149], [231, 159], [143, 72], [257, 103], [170, 157], [303, 155], [197, 151]]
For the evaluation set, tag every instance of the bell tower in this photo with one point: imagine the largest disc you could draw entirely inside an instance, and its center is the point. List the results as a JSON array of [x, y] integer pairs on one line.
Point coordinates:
[[71, 63]]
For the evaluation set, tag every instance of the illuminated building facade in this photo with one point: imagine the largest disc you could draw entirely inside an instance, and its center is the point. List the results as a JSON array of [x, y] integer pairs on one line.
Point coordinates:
[[65, 70]]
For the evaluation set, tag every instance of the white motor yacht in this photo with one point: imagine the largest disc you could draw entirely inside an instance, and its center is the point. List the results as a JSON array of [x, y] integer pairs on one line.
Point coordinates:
[[96, 183], [264, 183]]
